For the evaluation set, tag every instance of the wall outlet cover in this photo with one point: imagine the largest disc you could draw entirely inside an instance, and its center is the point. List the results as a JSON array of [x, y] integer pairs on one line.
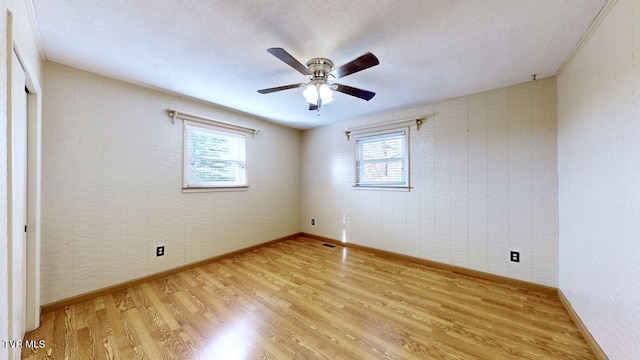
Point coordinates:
[[515, 256]]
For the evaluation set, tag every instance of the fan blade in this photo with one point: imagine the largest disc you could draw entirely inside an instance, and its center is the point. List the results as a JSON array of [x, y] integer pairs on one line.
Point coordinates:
[[280, 88], [363, 62], [359, 93], [283, 55]]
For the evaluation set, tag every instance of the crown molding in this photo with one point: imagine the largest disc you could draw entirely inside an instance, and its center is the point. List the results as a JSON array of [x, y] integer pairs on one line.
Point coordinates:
[[587, 35]]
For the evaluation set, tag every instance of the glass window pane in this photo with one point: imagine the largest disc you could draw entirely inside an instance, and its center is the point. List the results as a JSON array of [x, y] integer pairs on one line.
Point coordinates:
[[381, 159], [214, 158]]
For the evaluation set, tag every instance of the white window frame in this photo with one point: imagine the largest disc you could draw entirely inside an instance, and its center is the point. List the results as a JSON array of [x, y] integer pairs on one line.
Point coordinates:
[[241, 177], [381, 135]]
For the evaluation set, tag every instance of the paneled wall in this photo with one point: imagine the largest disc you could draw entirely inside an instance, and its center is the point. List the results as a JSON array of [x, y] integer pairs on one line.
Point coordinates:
[[484, 177], [599, 166], [112, 179]]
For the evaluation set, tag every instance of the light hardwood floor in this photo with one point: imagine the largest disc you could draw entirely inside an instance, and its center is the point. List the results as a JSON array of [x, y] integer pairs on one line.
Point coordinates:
[[300, 299]]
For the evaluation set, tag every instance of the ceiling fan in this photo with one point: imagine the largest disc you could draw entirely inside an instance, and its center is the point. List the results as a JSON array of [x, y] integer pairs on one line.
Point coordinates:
[[319, 90]]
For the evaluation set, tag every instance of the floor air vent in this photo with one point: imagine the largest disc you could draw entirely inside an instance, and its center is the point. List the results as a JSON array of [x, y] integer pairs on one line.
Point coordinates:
[[329, 245]]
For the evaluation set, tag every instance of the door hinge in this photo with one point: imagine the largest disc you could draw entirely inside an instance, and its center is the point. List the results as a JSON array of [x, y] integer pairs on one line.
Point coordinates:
[[25, 228]]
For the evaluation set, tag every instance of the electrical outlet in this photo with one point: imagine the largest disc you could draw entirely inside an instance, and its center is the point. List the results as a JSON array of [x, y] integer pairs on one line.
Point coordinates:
[[160, 251], [313, 221], [515, 256]]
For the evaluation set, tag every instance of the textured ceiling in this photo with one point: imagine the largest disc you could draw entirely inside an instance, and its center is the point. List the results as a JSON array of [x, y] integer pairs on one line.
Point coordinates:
[[216, 50]]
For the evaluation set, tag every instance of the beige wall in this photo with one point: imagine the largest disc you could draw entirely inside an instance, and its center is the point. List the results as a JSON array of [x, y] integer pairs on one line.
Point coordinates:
[[112, 179], [483, 171], [599, 166]]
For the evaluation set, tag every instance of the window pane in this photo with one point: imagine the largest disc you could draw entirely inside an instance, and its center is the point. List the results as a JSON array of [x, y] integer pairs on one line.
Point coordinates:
[[214, 171], [214, 158], [382, 159], [382, 149], [387, 171]]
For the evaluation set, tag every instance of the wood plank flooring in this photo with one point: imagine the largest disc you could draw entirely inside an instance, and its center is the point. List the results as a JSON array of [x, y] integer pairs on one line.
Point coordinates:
[[298, 299]]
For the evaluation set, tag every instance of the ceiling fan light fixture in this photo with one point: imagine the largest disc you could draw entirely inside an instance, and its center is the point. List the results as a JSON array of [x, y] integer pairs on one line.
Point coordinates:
[[318, 91], [310, 94], [326, 95]]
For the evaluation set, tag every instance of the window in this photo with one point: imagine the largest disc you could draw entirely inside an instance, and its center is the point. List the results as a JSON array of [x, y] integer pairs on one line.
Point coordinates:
[[382, 159], [214, 157]]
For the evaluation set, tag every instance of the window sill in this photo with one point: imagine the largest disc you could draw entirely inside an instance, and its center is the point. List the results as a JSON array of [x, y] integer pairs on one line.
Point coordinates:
[[382, 188], [215, 189]]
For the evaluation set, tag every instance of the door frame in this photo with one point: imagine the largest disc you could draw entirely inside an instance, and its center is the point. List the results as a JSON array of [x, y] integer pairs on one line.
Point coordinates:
[[34, 158], [17, 159], [33, 192], [33, 203]]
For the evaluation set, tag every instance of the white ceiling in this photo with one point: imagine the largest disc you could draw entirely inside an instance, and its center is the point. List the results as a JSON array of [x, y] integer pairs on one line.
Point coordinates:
[[429, 50]]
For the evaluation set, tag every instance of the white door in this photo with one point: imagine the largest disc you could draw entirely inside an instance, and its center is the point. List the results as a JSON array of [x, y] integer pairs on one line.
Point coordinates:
[[18, 201]]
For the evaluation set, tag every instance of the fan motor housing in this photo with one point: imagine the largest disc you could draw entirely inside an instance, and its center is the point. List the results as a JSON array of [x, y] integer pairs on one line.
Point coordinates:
[[320, 68]]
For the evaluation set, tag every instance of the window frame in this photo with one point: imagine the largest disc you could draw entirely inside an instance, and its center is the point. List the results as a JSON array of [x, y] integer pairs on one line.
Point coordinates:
[[390, 132], [187, 186]]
